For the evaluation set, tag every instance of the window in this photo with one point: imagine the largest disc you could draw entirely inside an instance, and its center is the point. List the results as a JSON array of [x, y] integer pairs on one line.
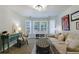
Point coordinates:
[[40, 26], [28, 27], [37, 26], [34, 26], [43, 26]]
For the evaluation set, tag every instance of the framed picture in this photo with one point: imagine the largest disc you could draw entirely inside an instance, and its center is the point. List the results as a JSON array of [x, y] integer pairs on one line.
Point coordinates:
[[65, 23], [77, 25], [75, 16]]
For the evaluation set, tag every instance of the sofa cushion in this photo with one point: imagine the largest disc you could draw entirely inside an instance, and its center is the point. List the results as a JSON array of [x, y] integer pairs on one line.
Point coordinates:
[[72, 41]]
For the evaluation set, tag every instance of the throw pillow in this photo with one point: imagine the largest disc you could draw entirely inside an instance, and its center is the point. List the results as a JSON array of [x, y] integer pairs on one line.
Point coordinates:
[[61, 37]]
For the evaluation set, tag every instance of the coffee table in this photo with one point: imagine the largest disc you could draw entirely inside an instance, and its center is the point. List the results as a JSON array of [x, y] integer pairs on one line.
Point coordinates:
[[42, 46]]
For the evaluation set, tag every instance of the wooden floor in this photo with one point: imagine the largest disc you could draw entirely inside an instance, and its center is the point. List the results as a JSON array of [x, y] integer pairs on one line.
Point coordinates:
[[25, 49]]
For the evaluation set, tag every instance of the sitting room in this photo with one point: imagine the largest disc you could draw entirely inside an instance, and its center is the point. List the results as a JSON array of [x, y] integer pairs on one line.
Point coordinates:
[[39, 29]]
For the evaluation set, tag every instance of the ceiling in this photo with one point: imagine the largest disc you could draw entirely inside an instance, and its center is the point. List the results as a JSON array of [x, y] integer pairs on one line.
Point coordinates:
[[27, 10]]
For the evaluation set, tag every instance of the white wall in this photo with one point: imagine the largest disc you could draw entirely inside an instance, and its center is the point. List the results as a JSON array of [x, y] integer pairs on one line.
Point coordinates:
[[8, 18], [52, 26], [69, 11], [3, 19], [16, 19]]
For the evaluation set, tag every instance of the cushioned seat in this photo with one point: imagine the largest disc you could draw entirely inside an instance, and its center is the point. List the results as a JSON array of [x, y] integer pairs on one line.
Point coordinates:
[[42, 46]]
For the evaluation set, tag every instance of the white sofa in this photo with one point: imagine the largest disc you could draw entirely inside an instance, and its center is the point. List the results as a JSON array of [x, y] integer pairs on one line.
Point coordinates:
[[59, 45], [71, 43]]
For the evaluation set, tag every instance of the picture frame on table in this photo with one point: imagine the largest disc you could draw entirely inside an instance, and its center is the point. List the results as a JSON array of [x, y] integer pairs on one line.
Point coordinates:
[[75, 16], [65, 23]]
